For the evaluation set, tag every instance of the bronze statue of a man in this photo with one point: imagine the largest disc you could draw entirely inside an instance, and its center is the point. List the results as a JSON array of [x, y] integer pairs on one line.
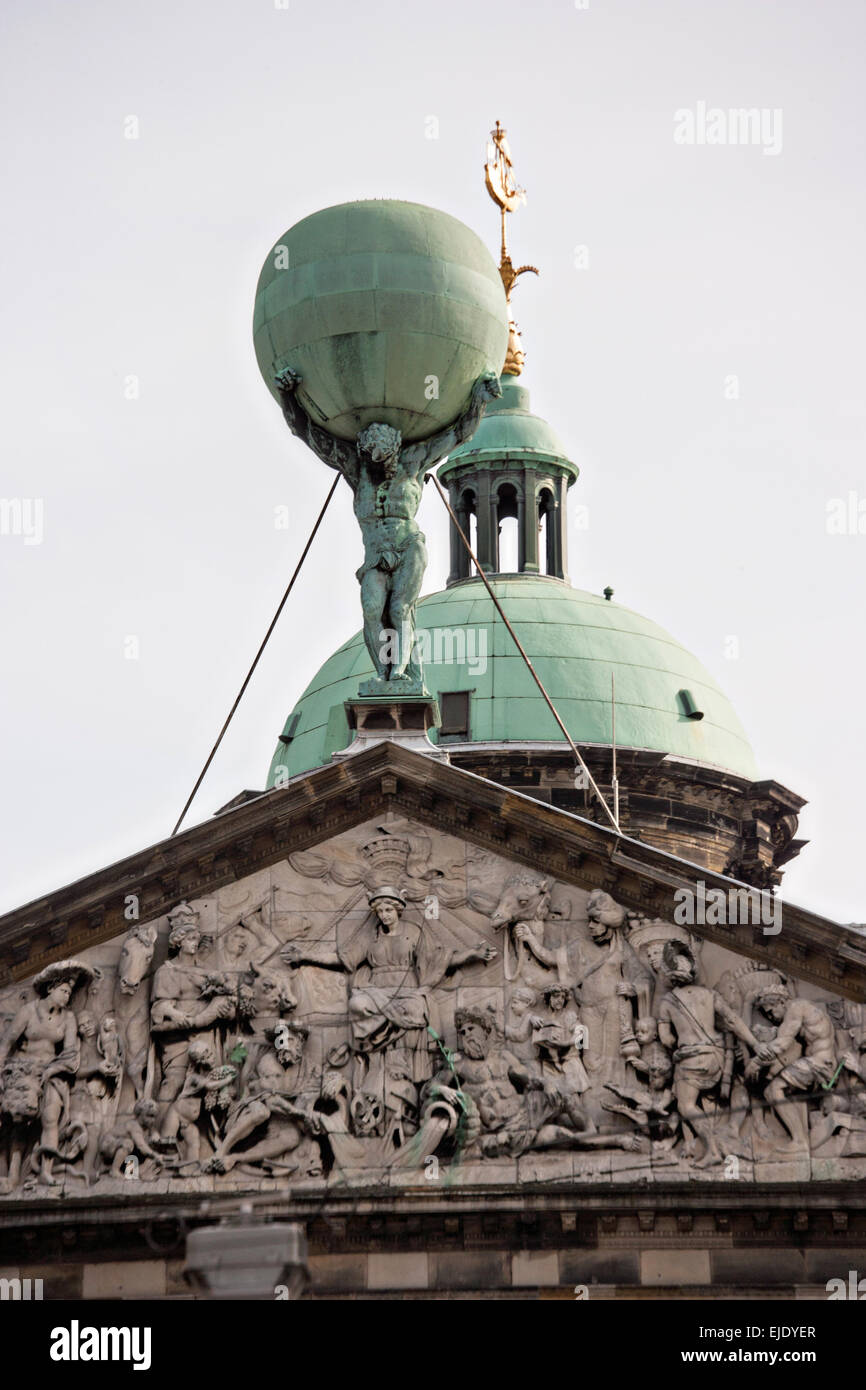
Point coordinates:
[[387, 480]]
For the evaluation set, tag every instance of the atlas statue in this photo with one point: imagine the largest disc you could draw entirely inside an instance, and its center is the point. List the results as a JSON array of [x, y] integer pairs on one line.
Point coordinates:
[[386, 478]]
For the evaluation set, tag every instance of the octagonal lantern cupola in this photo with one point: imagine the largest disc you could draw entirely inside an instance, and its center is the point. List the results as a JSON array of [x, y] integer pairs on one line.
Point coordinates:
[[513, 469]]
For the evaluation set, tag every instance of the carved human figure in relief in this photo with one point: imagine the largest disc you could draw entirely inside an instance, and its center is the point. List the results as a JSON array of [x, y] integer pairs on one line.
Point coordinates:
[[245, 947], [843, 1106], [387, 480], [39, 1056], [518, 1032], [263, 998], [94, 1094], [801, 1057], [517, 1108], [613, 990], [133, 1136], [648, 1100], [203, 1082], [690, 1019], [131, 1001], [180, 1013], [558, 1038], [271, 1101], [394, 966]]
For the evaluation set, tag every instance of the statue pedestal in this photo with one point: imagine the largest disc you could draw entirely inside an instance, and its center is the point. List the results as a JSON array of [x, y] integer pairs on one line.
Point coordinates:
[[402, 719]]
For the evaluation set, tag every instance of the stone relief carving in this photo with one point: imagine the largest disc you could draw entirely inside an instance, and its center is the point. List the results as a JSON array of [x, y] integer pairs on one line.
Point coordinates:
[[397, 1004]]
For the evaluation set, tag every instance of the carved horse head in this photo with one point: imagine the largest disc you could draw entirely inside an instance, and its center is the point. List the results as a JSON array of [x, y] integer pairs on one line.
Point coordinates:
[[136, 956]]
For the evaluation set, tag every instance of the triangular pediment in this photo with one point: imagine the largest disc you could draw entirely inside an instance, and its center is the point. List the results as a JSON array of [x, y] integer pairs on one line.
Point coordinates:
[[313, 808], [543, 1000]]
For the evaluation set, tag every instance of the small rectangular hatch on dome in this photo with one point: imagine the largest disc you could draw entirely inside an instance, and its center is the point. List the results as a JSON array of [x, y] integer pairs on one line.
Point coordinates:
[[454, 706]]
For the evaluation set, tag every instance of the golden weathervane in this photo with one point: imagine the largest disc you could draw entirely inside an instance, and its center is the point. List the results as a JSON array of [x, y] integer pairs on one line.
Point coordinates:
[[505, 192]]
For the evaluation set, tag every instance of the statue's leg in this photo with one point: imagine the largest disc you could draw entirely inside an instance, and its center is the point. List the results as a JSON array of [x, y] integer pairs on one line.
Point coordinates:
[[173, 1075], [190, 1141], [374, 602], [52, 1111], [687, 1094], [172, 1124], [580, 1121], [123, 1151], [405, 587], [790, 1111], [16, 1158], [275, 1146], [254, 1115]]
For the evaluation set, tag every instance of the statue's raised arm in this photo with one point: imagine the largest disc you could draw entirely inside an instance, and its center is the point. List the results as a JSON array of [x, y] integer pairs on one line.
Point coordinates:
[[336, 453], [417, 458]]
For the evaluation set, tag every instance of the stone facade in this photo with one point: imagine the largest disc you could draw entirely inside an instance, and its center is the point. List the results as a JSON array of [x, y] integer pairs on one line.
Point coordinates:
[[472, 1060]]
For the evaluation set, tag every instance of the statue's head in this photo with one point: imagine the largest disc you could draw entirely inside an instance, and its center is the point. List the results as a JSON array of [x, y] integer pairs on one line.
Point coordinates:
[[773, 1003], [604, 915], [659, 1066], [679, 964], [58, 982], [289, 1039], [388, 903], [200, 1054], [382, 444], [474, 1030], [86, 1025], [20, 1096], [237, 942], [183, 929], [655, 954], [185, 938], [270, 993], [645, 1030], [556, 998], [521, 1000], [146, 1112]]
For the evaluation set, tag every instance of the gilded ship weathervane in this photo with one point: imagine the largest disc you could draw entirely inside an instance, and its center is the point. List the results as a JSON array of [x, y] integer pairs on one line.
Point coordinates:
[[506, 193]]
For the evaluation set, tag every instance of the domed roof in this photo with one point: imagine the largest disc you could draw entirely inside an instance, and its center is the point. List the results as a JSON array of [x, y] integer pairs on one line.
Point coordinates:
[[575, 640], [509, 431]]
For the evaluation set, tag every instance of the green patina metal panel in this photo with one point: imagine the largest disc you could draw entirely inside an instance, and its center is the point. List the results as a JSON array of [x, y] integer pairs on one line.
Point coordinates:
[[575, 640], [369, 301], [510, 433]]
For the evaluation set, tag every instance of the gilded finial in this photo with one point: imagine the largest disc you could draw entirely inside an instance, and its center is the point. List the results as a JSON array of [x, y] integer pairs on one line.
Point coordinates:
[[505, 192]]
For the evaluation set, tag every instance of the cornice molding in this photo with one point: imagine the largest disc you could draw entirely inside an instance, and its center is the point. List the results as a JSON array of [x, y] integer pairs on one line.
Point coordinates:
[[330, 800]]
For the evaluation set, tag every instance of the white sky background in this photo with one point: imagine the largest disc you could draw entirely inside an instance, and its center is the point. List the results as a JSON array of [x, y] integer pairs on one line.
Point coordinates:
[[141, 257]]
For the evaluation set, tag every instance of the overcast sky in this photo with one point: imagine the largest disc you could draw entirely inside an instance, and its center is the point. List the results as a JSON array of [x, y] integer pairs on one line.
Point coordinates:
[[702, 359]]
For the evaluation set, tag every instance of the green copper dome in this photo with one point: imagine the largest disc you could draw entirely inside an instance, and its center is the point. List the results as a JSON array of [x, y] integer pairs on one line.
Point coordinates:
[[574, 640], [509, 433]]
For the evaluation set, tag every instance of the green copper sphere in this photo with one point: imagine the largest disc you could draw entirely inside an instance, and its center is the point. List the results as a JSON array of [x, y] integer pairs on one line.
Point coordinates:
[[389, 311]]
